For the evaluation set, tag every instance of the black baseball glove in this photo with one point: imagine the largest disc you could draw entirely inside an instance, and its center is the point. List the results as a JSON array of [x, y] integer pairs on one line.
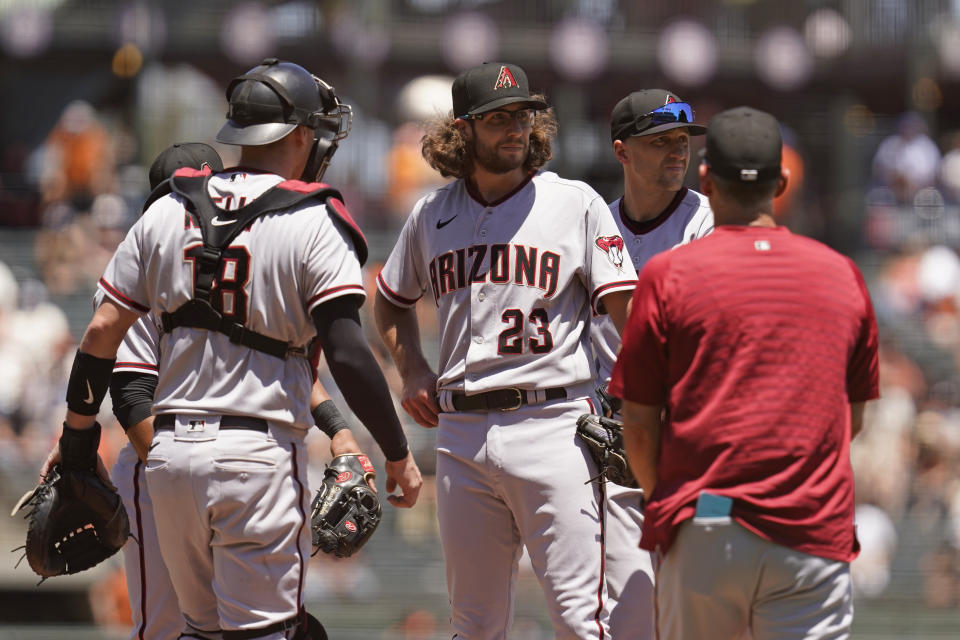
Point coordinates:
[[609, 405], [346, 511], [604, 437], [76, 522]]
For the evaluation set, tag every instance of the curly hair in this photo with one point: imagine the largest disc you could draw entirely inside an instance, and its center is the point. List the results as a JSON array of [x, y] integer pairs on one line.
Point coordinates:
[[447, 151]]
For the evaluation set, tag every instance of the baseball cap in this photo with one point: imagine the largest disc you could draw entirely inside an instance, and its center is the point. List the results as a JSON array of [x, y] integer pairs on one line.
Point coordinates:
[[649, 111], [490, 86], [186, 154], [744, 145]]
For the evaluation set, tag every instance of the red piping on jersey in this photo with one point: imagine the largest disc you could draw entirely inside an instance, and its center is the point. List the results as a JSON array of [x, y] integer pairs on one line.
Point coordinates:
[[303, 520], [302, 187], [140, 550], [640, 228], [150, 368], [656, 609], [327, 292], [111, 290], [475, 194], [604, 288], [393, 294], [603, 545]]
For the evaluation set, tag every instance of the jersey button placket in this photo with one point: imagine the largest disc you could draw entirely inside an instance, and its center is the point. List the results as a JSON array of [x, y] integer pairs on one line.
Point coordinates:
[[481, 232]]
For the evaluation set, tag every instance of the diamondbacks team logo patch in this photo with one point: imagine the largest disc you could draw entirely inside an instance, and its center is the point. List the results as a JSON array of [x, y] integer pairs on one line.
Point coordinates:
[[613, 247], [505, 80]]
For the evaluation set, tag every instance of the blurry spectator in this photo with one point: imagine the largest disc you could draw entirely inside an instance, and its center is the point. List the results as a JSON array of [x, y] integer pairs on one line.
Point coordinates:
[[62, 247], [78, 157], [110, 218], [908, 160], [950, 167], [941, 569], [878, 541], [882, 455], [938, 281], [419, 624], [410, 177], [791, 160], [9, 362], [933, 474], [18, 198]]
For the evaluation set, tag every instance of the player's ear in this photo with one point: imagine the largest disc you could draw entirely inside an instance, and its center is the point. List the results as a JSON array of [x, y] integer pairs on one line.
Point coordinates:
[[706, 184], [782, 181], [620, 151], [464, 128]]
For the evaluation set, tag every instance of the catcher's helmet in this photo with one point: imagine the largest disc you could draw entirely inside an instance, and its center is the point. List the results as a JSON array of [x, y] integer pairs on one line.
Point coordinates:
[[270, 100]]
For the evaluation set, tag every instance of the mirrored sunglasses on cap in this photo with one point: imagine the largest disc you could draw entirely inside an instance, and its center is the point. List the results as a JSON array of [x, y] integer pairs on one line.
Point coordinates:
[[667, 114]]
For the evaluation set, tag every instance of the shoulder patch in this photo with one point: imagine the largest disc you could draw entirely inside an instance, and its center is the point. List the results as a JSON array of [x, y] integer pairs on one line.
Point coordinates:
[[613, 247]]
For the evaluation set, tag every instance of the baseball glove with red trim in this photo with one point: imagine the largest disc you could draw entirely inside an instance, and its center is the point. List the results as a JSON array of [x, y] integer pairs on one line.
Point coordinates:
[[345, 511]]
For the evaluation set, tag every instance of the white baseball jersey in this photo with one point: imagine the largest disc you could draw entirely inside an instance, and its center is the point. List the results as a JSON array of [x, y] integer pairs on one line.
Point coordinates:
[[282, 265], [514, 280], [687, 218], [629, 569], [154, 609]]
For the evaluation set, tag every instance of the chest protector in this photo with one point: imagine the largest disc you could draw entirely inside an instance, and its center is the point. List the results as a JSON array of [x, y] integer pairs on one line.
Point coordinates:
[[199, 313]]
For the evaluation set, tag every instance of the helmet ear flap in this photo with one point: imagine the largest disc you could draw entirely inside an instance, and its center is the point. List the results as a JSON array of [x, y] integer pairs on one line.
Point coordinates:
[[329, 127]]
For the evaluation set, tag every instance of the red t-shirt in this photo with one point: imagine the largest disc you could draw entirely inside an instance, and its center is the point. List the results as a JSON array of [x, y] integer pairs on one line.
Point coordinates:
[[755, 340]]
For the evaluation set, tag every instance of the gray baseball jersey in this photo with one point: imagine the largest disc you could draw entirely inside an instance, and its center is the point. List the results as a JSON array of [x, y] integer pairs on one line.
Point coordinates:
[[282, 265], [629, 573], [687, 218], [514, 281], [154, 610]]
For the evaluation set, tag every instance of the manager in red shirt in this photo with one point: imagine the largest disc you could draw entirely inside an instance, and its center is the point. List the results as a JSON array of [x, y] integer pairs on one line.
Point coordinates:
[[744, 369]]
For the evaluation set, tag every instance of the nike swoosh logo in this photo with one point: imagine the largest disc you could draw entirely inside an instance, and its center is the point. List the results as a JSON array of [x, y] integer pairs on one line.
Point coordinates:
[[89, 398], [442, 223], [217, 222]]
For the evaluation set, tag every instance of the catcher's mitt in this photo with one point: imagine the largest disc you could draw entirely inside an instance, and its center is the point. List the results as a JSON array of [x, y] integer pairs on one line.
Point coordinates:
[[76, 522], [604, 437], [346, 511]]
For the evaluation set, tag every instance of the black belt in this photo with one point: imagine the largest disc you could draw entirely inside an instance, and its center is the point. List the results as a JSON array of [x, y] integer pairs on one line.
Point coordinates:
[[503, 399], [166, 422]]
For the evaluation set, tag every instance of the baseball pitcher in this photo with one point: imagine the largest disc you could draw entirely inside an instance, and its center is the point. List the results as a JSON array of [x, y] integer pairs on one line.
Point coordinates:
[[516, 261]]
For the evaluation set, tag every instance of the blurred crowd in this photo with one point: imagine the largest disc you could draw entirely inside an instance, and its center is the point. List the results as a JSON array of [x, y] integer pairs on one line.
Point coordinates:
[[85, 185]]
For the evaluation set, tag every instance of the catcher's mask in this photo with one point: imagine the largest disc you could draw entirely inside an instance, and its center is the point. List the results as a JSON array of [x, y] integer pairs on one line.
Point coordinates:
[[269, 101]]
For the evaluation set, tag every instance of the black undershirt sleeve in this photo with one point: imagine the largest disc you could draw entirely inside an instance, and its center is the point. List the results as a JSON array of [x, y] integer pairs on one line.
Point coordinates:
[[132, 396], [358, 374]]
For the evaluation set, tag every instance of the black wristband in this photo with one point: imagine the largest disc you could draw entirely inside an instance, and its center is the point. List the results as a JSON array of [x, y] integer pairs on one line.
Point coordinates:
[[89, 380], [78, 447], [328, 418]]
